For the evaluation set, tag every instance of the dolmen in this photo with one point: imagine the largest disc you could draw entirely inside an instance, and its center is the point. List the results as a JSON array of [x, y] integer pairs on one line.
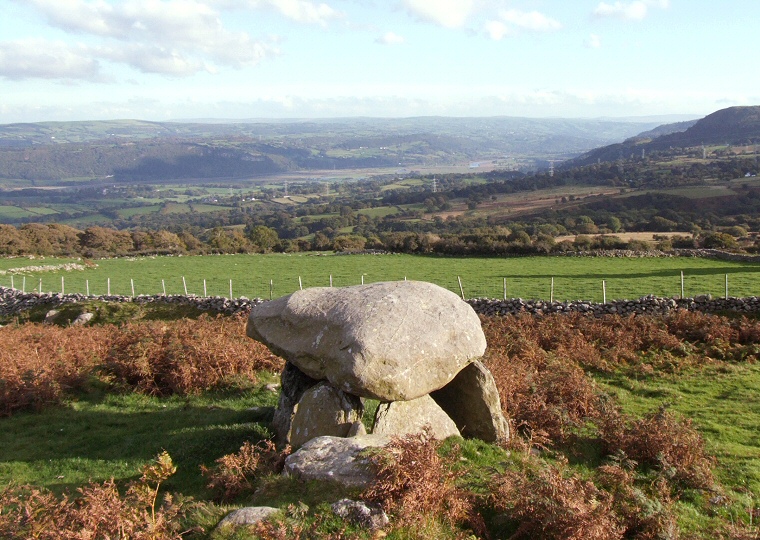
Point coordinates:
[[413, 346]]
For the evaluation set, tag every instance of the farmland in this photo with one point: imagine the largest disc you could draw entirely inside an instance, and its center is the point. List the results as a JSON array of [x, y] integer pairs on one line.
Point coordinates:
[[575, 278]]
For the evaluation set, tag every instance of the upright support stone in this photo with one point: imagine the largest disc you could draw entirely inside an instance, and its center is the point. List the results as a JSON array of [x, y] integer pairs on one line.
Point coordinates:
[[294, 384], [400, 418], [472, 401], [324, 410]]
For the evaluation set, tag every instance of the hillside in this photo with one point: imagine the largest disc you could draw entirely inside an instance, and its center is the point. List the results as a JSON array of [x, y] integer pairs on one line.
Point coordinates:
[[726, 127], [127, 150]]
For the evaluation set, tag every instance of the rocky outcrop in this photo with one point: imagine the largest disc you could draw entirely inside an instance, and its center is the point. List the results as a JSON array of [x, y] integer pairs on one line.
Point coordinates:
[[392, 341]]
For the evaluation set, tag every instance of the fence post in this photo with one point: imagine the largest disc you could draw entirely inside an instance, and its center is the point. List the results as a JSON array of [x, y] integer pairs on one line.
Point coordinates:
[[330, 280], [163, 286], [682, 294], [505, 288], [604, 292], [87, 286], [461, 289], [23, 284], [362, 279], [108, 286], [300, 284], [726, 286], [40, 287], [184, 285], [271, 289], [63, 287], [230, 289], [204, 288], [132, 283], [12, 287], [551, 292]]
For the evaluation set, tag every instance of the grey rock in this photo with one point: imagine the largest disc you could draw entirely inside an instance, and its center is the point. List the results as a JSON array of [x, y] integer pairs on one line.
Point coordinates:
[[472, 401], [357, 430], [389, 341], [368, 515], [50, 316], [324, 410], [294, 384], [336, 460], [400, 418], [249, 515], [83, 319]]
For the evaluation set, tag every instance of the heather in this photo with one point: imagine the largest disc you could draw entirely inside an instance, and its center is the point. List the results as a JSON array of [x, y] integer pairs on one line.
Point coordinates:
[[624, 427]]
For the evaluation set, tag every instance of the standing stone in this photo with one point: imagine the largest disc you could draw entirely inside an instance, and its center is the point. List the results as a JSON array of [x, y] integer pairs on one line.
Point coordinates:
[[400, 418], [324, 410], [472, 401], [392, 341], [293, 385]]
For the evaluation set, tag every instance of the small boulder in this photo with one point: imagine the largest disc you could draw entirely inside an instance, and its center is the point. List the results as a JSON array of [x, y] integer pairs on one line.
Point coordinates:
[[247, 516], [400, 418], [335, 459], [83, 319], [368, 515], [50, 316], [324, 410], [392, 341], [472, 401]]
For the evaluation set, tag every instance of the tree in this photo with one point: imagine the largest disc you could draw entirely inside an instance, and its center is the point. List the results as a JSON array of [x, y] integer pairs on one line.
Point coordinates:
[[264, 238]]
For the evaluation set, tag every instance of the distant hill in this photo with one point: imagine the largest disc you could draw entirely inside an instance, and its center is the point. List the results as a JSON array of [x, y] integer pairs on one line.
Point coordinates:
[[732, 126], [134, 150]]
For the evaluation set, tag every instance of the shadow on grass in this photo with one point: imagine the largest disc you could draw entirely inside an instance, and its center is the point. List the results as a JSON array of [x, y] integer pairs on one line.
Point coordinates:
[[95, 439]]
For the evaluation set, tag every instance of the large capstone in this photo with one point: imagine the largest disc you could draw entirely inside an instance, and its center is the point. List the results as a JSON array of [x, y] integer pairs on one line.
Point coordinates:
[[392, 341]]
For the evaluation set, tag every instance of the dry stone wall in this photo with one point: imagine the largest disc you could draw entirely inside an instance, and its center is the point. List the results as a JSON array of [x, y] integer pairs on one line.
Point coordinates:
[[13, 301]]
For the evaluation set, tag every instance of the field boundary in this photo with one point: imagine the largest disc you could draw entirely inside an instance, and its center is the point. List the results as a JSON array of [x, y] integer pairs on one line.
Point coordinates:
[[14, 302]]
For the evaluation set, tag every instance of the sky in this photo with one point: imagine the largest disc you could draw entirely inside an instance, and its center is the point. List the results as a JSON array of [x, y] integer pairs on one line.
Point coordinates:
[[243, 59]]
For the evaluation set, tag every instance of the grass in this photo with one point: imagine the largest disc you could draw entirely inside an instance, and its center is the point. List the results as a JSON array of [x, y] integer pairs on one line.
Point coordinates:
[[14, 212], [100, 436], [527, 277], [723, 402]]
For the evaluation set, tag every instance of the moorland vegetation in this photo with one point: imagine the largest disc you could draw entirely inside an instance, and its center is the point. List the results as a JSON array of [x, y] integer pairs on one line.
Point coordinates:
[[607, 443]]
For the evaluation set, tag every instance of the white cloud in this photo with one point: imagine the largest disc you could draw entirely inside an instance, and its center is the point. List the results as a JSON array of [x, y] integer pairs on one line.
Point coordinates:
[[593, 42], [532, 21], [40, 59], [174, 37], [301, 10], [446, 13], [390, 38], [513, 21], [632, 11]]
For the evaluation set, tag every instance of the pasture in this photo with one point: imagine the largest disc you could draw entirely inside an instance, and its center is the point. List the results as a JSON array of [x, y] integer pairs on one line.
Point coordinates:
[[574, 278]]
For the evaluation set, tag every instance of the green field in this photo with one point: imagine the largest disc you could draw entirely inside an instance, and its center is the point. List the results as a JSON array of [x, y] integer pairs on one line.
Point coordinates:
[[527, 277], [13, 212]]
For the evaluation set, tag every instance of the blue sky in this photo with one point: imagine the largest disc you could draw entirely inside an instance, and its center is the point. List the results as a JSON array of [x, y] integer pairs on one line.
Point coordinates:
[[235, 59]]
